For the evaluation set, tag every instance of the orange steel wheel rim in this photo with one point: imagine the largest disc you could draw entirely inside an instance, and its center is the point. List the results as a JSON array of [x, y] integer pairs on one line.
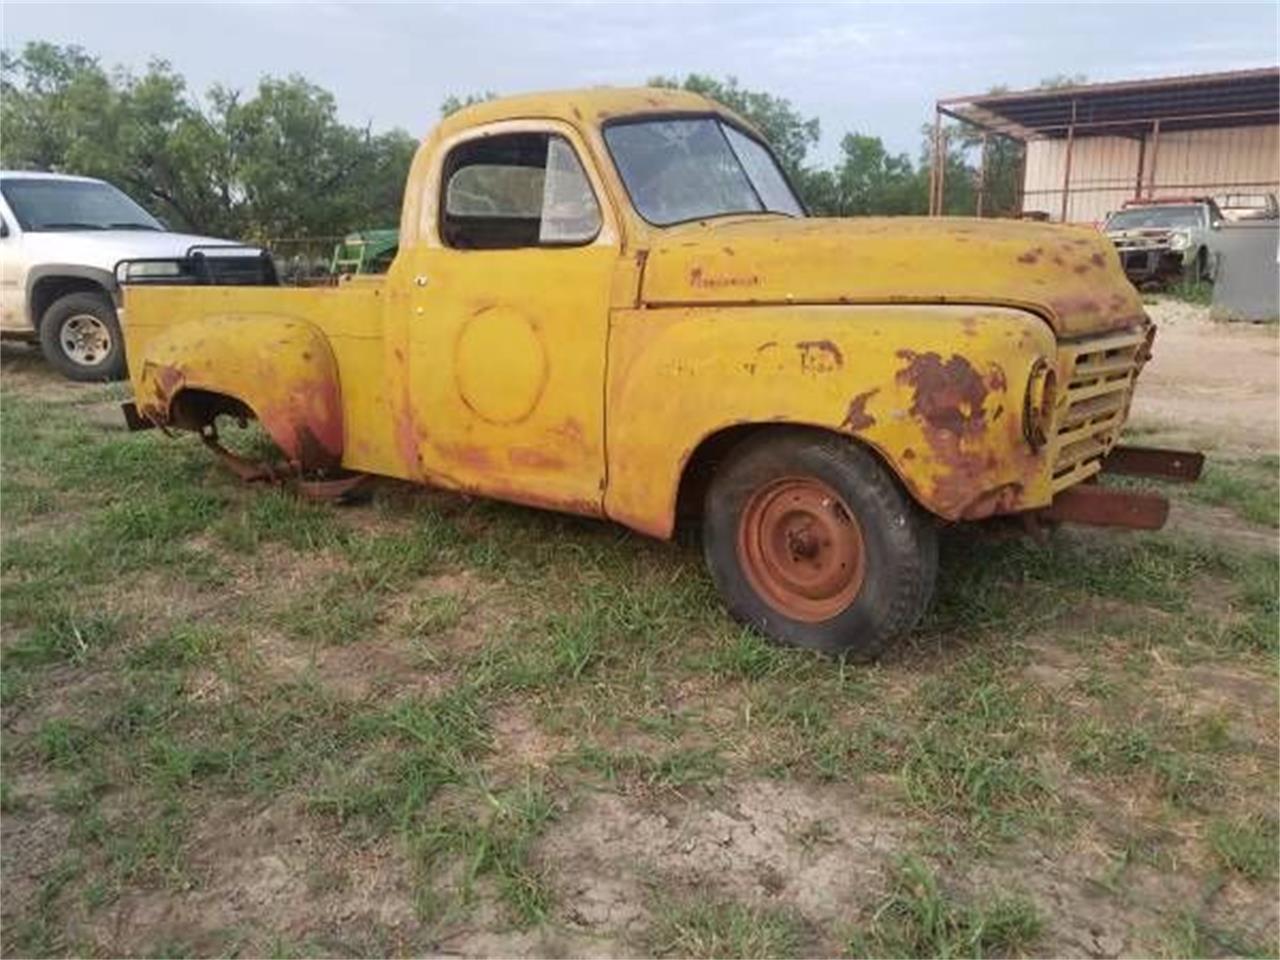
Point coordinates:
[[801, 549]]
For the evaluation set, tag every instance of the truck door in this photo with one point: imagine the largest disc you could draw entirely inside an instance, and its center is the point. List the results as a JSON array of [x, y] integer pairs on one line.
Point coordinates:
[[13, 276], [508, 317]]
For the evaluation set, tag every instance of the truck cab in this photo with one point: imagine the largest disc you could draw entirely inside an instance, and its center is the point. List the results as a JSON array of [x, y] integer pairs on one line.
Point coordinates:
[[612, 303]]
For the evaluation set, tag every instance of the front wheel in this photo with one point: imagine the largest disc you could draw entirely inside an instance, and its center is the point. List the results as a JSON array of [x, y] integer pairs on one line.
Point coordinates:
[[80, 337], [813, 542]]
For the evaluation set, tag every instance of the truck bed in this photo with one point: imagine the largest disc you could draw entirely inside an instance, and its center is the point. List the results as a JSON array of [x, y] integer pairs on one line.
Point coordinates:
[[348, 318]]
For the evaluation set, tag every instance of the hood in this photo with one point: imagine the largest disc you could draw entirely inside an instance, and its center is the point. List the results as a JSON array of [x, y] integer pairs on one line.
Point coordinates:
[[1071, 276], [105, 248]]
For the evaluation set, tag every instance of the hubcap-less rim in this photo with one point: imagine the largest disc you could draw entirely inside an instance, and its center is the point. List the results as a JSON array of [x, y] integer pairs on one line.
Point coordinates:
[[86, 339], [801, 549]]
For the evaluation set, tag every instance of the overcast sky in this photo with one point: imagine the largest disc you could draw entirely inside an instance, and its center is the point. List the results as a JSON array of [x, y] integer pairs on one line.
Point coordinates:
[[865, 68]]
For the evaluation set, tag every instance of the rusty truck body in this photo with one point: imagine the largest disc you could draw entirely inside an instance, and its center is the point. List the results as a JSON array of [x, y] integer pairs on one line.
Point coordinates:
[[612, 303]]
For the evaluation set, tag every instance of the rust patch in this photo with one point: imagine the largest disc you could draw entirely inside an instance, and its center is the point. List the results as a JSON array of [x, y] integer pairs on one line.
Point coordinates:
[[467, 455], [310, 452], [1074, 305], [995, 379], [948, 395], [534, 459], [1003, 499], [819, 356], [1098, 260], [857, 418], [407, 441], [908, 454], [572, 431], [168, 380], [970, 480], [307, 425], [1031, 256]]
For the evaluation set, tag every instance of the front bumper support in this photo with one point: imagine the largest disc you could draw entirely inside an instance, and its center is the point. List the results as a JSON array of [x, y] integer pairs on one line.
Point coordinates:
[[1094, 505], [1183, 466]]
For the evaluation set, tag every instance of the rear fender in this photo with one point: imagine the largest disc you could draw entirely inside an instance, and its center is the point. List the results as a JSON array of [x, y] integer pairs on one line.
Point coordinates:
[[280, 368]]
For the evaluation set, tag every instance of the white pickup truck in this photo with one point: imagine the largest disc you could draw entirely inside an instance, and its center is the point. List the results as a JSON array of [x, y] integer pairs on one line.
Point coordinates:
[[60, 240]]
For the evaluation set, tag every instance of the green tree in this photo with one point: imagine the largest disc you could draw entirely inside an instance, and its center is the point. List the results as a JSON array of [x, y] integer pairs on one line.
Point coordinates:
[[873, 181], [278, 163], [788, 132]]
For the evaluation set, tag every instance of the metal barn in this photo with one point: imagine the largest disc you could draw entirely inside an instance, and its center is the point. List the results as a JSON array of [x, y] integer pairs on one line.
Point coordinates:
[[1090, 148]]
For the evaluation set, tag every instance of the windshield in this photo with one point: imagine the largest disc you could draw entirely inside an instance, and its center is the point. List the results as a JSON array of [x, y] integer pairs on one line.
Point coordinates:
[[688, 169], [41, 204], [1156, 217]]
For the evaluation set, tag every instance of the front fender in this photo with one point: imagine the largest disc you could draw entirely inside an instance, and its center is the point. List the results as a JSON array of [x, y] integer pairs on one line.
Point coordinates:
[[280, 367], [937, 391]]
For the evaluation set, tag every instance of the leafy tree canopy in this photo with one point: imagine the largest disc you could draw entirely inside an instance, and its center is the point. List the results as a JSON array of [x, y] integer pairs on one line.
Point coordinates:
[[277, 161], [272, 164]]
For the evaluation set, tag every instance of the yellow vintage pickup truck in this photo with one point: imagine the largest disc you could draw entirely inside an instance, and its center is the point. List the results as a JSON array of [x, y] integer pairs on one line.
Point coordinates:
[[612, 303]]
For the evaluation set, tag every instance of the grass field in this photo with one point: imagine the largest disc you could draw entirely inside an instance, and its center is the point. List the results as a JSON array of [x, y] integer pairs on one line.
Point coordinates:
[[236, 723]]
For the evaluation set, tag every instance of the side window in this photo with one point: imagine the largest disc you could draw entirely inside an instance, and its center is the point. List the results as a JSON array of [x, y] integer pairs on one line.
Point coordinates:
[[517, 190]]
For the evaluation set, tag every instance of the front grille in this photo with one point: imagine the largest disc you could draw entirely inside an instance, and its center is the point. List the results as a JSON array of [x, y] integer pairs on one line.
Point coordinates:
[[1099, 374]]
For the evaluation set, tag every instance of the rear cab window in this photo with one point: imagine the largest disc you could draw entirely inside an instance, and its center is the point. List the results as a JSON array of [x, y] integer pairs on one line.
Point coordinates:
[[517, 190]]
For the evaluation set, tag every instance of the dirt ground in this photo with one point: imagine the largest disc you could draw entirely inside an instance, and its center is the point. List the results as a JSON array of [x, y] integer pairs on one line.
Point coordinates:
[[432, 726], [1211, 382]]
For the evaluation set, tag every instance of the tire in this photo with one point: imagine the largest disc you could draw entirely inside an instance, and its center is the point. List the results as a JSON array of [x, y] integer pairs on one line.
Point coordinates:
[[813, 542], [81, 339]]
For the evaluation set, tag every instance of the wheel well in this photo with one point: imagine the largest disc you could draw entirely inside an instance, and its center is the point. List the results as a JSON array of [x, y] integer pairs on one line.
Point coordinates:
[[46, 290], [192, 408], [701, 465]]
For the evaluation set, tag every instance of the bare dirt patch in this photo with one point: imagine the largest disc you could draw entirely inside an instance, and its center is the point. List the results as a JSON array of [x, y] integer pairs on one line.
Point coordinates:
[[1211, 382], [375, 668], [24, 368], [819, 848], [270, 867], [1221, 525]]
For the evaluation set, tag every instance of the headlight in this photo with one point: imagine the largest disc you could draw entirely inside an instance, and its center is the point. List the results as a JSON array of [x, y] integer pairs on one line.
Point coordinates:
[[1180, 241], [1042, 396], [154, 268]]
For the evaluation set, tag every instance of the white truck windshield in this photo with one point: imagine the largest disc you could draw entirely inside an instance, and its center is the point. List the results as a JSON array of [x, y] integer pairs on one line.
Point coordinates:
[[41, 204]]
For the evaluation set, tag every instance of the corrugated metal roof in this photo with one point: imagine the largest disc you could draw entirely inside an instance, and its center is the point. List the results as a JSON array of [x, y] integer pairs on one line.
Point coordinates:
[[1193, 102]]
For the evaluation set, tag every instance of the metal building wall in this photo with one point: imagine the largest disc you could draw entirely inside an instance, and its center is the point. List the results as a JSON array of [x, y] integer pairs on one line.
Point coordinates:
[[1104, 170]]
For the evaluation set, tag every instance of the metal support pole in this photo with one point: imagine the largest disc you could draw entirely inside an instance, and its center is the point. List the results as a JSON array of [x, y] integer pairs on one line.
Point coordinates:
[[1142, 159], [982, 174], [1021, 199], [942, 170], [1066, 172], [933, 166], [1155, 155]]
